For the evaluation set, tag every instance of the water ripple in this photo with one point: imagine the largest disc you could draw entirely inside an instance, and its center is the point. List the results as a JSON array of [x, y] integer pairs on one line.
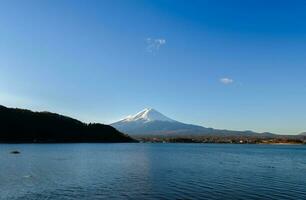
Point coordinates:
[[152, 171]]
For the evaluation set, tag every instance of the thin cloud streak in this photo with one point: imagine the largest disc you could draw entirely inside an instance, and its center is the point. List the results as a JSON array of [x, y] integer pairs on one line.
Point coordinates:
[[226, 81], [154, 44]]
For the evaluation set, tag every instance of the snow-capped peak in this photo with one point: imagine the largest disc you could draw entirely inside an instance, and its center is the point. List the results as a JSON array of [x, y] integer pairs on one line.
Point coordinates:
[[148, 114]]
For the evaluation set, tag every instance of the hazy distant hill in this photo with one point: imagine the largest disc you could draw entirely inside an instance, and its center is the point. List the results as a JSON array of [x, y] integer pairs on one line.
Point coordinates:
[[18, 125], [303, 134], [152, 122]]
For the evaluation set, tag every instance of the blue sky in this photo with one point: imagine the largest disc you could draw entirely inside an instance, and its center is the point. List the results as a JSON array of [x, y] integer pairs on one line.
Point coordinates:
[[226, 64]]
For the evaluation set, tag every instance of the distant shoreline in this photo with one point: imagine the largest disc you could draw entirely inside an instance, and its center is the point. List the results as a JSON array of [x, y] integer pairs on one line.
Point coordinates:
[[272, 144], [278, 140], [283, 143]]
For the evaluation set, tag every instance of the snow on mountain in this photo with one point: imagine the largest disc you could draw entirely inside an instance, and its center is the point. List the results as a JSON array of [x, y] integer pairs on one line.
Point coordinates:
[[147, 115]]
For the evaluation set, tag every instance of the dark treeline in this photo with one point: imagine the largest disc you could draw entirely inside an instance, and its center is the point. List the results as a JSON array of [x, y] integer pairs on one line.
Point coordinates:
[[18, 125]]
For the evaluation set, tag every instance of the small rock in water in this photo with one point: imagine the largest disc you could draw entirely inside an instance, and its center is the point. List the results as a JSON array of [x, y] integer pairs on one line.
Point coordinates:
[[15, 152]]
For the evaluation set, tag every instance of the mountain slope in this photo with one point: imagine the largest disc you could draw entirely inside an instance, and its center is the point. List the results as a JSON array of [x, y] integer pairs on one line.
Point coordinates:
[[150, 122], [18, 125], [147, 115]]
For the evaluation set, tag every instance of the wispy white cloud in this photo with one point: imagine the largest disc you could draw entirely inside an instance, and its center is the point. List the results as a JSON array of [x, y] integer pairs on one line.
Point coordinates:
[[154, 44], [226, 81]]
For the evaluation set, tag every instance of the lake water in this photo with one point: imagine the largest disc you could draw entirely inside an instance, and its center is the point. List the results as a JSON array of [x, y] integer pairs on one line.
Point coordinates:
[[152, 171]]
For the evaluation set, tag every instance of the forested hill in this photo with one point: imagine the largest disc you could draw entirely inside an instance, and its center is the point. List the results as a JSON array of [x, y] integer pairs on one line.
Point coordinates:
[[25, 126]]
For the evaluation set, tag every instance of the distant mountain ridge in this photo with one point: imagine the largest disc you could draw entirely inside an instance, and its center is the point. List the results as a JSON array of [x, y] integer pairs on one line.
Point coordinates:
[[25, 126], [151, 122]]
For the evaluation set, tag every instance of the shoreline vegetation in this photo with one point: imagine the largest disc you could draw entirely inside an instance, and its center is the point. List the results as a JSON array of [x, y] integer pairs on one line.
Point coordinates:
[[276, 140], [25, 126]]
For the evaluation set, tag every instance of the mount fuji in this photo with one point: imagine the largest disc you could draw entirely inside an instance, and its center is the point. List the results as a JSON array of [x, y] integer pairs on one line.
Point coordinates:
[[150, 122], [147, 115]]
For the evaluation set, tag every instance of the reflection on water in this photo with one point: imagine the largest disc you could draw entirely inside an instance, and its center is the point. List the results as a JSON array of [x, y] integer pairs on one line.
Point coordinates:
[[152, 171]]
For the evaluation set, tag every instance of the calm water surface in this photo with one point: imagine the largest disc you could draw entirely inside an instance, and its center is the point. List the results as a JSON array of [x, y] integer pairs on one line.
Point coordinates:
[[152, 171]]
